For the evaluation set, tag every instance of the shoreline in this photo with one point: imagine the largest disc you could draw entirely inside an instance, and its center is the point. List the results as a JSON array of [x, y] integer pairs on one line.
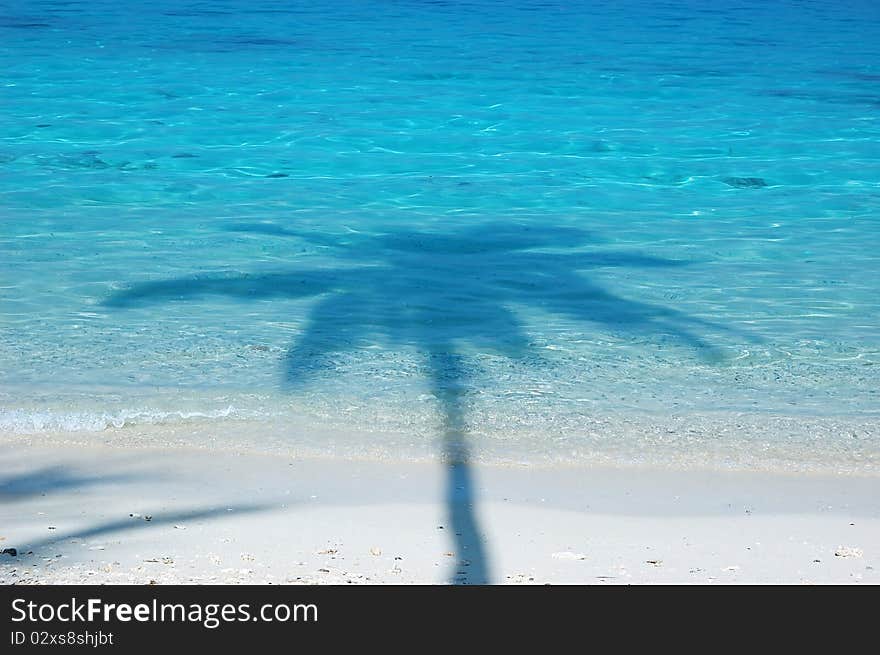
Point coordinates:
[[681, 441], [112, 514]]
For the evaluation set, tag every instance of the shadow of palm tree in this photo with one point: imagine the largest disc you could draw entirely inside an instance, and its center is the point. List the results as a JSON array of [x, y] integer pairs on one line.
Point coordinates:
[[440, 293], [47, 480], [127, 524], [60, 479]]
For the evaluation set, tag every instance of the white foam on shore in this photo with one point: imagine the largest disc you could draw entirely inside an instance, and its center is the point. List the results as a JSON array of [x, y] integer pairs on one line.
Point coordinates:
[[21, 421], [720, 441]]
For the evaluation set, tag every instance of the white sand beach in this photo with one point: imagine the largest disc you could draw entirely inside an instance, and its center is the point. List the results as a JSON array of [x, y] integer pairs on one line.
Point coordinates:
[[98, 513]]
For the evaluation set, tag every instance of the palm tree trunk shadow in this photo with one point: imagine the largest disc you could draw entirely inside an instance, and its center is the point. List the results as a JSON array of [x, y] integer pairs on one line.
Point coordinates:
[[471, 563]]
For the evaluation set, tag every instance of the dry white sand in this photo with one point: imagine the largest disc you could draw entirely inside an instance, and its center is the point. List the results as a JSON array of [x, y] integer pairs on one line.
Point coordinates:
[[103, 514]]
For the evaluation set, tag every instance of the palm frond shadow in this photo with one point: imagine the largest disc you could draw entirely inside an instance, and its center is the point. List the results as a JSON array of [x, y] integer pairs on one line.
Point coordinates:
[[437, 292], [49, 479], [127, 524]]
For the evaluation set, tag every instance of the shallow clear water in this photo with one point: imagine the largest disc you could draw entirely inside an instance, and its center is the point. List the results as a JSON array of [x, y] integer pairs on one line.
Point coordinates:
[[622, 231]]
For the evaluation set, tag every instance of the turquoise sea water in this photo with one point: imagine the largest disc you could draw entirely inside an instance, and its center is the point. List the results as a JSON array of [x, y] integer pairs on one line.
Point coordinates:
[[580, 231]]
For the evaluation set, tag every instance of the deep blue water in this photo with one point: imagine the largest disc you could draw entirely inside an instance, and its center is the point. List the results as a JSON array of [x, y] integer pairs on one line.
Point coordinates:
[[580, 231]]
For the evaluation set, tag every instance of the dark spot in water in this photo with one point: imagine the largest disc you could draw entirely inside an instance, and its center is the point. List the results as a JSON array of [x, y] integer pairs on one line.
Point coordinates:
[[44, 125], [745, 182], [853, 75], [464, 184], [82, 160], [24, 26], [277, 175], [788, 93], [183, 155]]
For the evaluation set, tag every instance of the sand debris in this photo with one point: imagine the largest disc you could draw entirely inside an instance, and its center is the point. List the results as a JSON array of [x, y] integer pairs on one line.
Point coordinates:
[[848, 551]]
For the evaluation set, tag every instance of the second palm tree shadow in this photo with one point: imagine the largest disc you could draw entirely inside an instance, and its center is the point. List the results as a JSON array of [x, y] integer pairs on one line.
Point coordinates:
[[440, 293]]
